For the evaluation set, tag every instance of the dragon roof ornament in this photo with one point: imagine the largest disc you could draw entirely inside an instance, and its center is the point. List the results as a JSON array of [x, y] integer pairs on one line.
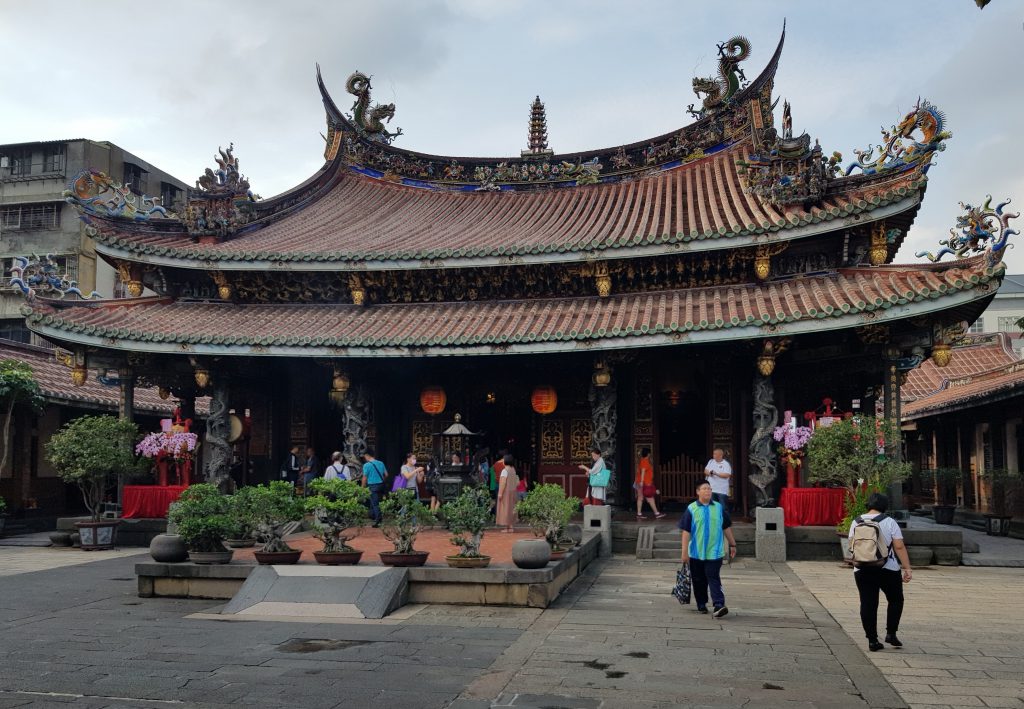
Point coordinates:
[[369, 119], [41, 276], [94, 192], [221, 202], [900, 149], [981, 230], [719, 90]]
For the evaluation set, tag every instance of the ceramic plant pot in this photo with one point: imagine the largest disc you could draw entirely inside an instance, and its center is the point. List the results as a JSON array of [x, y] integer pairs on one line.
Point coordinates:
[[531, 553], [413, 558], [337, 558], [468, 562], [96, 536], [271, 558], [210, 557], [168, 549]]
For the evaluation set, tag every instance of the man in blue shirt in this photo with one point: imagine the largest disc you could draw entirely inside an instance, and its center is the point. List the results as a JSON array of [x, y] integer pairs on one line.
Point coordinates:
[[374, 475], [705, 526]]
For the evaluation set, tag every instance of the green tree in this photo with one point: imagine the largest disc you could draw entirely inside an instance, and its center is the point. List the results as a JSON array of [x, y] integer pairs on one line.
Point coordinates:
[[88, 450], [17, 386]]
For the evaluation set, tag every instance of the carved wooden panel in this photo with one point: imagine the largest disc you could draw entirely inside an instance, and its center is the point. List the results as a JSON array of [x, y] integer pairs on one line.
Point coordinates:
[[581, 434], [421, 440], [552, 441]]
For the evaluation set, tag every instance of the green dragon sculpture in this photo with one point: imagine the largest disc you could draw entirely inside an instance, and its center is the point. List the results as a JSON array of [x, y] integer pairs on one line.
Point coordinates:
[[719, 90], [369, 119]]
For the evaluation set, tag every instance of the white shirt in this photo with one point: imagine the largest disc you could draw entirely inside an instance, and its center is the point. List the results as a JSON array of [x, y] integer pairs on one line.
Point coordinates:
[[719, 485], [335, 471], [889, 530]]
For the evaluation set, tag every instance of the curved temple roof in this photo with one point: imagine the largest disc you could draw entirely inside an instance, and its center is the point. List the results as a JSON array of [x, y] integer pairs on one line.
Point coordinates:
[[849, 298]]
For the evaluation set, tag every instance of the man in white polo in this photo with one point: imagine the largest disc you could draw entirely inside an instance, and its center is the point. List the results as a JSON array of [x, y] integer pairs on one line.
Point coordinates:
[[718, 473]]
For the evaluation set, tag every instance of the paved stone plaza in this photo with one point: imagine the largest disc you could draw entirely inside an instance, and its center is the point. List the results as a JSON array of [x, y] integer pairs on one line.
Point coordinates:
[[77, 635]]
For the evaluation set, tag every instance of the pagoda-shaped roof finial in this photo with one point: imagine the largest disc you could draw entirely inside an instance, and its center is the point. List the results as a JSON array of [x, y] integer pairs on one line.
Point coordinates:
[[538, 133]]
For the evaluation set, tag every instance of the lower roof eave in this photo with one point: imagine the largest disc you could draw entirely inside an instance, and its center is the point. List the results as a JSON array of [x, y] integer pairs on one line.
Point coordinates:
[[622, 341], [300, 263], [969, 403]]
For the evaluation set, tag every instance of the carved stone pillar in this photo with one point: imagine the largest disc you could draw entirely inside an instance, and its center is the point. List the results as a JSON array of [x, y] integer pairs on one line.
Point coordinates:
[[604, 416], [218, 428], [356, 423], [126, 400], [762, 445]]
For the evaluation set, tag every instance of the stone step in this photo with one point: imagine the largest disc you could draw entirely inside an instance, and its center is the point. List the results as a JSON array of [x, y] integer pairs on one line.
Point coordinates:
[[668, 544]]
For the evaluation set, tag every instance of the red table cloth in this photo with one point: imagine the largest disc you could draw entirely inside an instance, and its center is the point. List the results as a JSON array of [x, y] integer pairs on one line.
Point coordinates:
[[813, 506], [148, 501]]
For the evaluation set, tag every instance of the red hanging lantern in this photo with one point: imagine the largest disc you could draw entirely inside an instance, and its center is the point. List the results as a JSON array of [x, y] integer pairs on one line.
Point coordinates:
[[433, 400], [544, 400]]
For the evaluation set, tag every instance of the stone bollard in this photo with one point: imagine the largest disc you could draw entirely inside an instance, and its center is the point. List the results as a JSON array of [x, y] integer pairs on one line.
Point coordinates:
[[597, 519], [770, 536]]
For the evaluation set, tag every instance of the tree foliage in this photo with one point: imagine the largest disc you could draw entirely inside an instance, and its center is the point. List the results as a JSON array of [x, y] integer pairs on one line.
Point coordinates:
[[467, 517], [88, 450], [18, 386], [547, 510], [203, 519], [339, 512], [273, 507], [403, 518]]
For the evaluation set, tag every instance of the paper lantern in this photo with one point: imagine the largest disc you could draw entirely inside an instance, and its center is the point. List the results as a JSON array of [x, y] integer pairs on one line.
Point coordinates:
[[544, 400], [433, 400]]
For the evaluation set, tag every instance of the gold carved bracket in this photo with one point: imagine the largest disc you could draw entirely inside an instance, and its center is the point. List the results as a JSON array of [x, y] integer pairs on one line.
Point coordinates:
[[224, 289]]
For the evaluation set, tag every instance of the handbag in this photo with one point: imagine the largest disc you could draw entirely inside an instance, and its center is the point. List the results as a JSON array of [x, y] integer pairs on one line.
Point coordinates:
[[683, 585], [601, 478]]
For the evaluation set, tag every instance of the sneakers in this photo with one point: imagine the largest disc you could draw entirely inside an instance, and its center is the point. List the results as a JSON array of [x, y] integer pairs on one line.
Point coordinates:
[[874, 645], [720, 612], [659, 515], [893, 640], [702, 609]]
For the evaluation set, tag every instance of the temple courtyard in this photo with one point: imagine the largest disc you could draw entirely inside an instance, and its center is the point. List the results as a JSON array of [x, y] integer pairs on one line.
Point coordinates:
[[74, 632]]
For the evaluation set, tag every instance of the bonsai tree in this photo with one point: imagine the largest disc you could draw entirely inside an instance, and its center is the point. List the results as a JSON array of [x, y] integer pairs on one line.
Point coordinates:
[[240, 510], [850, 453], [467, 516], [202, 516], [339, 512], [404, 517], [274, 507], [17, 386], [1002, 491], [88, 450], [547, 510]]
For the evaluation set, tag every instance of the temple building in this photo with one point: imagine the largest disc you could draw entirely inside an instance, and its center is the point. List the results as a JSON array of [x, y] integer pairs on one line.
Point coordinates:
[[678, 293]]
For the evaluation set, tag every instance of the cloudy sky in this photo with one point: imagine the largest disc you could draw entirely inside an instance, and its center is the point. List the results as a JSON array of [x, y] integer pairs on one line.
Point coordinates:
[[172, 82]]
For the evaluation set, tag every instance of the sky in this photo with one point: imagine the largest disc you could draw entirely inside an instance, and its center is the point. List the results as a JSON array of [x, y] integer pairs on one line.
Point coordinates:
[[171, 83]]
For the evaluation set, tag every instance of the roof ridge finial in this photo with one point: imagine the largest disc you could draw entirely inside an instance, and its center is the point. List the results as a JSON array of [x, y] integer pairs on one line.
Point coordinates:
[[538, 131]]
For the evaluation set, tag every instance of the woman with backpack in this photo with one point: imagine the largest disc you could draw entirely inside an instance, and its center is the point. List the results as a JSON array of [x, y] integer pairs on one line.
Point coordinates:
[[876, 544]]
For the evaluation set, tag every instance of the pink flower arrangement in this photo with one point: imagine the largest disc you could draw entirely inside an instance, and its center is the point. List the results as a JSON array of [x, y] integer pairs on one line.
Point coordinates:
[[793, 441], [178, 445]]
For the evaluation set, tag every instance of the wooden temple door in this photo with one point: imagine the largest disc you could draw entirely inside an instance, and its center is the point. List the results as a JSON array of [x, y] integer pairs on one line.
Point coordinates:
[[563, 443]]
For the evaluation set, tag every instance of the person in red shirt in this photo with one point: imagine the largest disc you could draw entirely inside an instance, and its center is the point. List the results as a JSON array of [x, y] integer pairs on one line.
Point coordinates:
[[644, 485]]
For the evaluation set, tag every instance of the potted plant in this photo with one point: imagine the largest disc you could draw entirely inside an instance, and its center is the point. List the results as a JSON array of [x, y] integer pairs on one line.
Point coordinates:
[[1002, 488], [792, 443], [944, 482], [547, 510], [403, 518], [201, 517], [243, 531], [339, 514], [165, 447], [274, 509], [87, 452], [467, 516], [850, 454]]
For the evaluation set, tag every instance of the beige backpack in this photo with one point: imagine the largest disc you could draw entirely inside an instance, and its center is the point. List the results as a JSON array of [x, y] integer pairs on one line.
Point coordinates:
[[867, 546]]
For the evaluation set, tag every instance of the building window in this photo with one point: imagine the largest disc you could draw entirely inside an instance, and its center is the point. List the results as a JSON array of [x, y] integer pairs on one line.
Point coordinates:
[[30, 216], [53, 158], [169, 194], [977, 326], [15, 331], [1008, 323], [19, 162], [135, 178]]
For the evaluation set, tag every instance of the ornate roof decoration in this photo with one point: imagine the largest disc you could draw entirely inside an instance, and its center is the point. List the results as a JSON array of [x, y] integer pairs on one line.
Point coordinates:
[[40, 276], [900, 150], [221, 201], [94, 192], [719, 90], [736, 105], [369, 118], [982, 230], [538, 132], [845, 299]]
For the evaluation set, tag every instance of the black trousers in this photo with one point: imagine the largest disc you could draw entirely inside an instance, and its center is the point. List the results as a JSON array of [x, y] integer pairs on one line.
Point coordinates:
[[869, 583]]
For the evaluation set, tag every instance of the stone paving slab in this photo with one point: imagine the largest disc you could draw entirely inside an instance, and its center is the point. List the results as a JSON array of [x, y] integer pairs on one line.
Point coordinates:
[[962, 629]]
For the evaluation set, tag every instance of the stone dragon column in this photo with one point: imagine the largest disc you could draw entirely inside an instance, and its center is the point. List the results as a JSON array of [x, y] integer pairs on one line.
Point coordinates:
[[604, 416], [218, 428]]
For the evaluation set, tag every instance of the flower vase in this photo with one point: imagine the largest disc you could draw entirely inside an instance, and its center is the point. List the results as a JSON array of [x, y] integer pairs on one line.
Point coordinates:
[[185, 472], [162, 466], [792, 475]]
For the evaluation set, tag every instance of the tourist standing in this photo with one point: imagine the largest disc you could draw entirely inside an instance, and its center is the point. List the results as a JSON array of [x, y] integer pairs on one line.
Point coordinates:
[[337, 470], [718, 472], [705, 526], [887, 577], [598, 476], [374, 475], [310, 469], [411, 474], [644, 485], [508, 482], [292, 465]]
